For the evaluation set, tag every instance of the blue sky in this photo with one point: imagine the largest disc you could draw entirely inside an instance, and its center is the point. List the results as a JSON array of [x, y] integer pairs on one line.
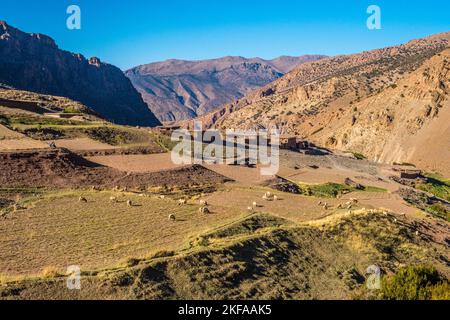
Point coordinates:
[[132, 32]]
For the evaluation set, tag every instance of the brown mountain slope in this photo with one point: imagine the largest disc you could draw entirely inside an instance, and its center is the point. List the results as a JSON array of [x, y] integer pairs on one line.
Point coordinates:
[[178, 89], [33, 62], [409, 122], [388, 104]]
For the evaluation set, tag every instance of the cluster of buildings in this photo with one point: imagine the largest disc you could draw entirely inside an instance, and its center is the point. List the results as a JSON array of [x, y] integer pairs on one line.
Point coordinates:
[[287, 142]]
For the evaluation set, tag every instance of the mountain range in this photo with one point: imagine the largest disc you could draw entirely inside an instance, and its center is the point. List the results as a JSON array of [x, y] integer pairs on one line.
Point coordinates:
[[390, 105], [33, 62], [178, 89]]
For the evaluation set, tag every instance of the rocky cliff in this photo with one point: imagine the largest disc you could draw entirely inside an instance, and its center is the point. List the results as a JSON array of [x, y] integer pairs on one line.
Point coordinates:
[[33, 62]]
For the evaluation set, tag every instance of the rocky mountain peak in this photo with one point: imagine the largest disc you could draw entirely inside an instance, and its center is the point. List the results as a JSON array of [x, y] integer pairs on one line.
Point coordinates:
[[33, 62], [42, 38], [95, 62], [8, 32], [3, 24], [181, 89]]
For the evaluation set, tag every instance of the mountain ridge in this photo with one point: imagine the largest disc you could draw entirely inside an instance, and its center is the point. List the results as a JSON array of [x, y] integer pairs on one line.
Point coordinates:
[[346, 103], [183, 89], [34, 62]]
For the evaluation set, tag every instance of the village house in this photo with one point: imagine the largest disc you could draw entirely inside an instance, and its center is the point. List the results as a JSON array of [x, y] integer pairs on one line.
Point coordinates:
[[408, 173], [288, 142]]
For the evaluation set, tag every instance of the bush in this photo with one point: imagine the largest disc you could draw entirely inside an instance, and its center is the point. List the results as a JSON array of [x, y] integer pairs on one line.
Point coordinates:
[[441, 292], [131, 262], [359, 156], [117, 136], [415, 283], [4, 120]]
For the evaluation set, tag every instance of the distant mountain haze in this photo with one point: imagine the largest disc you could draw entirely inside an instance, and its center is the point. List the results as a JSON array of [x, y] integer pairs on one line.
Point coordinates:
[[33, 62], [179, 90]]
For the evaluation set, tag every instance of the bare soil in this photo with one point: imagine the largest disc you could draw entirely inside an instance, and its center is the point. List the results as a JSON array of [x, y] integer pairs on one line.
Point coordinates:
[[137, 163], [12, 140], [62, 168], [21, 144], [82, 144]]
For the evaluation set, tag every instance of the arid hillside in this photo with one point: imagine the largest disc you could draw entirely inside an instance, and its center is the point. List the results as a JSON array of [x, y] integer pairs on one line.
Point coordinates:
[[391, 104], [179, 89]]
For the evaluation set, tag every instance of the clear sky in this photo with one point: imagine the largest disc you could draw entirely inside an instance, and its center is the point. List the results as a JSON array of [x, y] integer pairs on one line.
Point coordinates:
[[132, 32]]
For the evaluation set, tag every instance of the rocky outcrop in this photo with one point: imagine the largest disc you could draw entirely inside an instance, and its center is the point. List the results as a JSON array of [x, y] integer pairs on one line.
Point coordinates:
[[180, 90], [33, 62]]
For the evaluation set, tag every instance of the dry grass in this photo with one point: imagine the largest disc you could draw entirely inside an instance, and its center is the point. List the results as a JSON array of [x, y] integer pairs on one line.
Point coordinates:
[[50, 272], [259, 257], [59, 231], [292, 207]]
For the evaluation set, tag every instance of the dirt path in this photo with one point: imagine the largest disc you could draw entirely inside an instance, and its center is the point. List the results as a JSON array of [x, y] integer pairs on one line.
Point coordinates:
[[11, 140], [21, 144]]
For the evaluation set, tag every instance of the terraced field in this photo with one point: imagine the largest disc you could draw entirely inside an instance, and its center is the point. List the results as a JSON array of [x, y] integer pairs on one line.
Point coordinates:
[[110, 200], [100, 233]]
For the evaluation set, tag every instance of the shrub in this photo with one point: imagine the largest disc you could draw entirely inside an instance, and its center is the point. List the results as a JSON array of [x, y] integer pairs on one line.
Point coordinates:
[[131, 262], [441, 291], [359, 156], [50, 272], [415, 283], [121, 279]]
